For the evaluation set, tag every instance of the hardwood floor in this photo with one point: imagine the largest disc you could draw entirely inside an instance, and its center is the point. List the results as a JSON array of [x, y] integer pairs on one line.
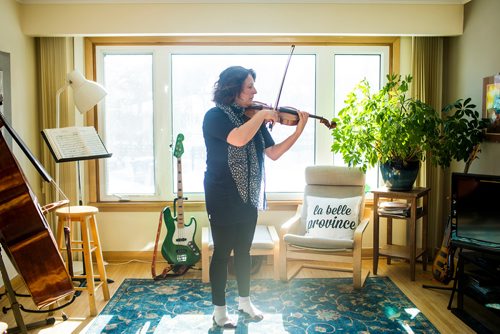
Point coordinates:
[[431, 302]]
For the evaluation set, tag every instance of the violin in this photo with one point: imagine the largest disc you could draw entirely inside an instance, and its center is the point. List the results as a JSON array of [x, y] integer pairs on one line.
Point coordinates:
[[286, 115]]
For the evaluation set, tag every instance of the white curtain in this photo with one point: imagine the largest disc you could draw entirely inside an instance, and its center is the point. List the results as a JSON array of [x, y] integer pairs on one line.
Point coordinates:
[[427, 71], [55, 60]]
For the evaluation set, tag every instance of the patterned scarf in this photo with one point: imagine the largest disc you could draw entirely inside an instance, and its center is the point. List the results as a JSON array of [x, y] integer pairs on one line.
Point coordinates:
[[243, 161]]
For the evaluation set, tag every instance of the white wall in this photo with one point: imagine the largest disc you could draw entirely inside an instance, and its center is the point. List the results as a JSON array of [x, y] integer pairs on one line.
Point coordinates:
[[23, 88], [470, 58], [343, 19]]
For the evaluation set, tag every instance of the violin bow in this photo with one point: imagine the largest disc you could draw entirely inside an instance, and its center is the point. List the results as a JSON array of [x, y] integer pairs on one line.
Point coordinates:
[[329, 125], [284, 76], [282, 83]]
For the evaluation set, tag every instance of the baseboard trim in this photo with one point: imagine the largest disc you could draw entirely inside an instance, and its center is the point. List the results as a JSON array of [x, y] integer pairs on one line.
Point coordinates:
[[120, 256]]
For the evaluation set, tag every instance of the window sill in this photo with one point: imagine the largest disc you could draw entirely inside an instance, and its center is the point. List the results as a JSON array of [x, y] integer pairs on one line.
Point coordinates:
[[188, 205]]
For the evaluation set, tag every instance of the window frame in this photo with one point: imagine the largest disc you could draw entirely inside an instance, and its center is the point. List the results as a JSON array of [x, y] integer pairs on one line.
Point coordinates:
[[93, 169]]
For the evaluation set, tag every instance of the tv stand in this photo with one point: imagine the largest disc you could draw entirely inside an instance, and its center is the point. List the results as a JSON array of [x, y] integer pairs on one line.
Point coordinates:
[[478, 290]]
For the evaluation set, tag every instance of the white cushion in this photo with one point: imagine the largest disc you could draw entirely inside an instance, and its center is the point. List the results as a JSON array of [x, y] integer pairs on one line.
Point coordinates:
[[317, 243], [261, 239], [333, 218]]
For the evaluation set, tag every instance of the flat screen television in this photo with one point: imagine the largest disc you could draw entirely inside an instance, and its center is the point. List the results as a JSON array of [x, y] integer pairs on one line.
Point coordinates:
[[475, 210]]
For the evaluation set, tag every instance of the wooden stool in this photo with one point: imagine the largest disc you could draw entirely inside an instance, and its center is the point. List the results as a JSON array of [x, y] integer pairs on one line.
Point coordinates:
[[85, 215]]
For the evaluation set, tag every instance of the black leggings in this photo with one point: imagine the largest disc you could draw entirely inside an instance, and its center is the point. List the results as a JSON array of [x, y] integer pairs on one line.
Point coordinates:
[[238, 238]]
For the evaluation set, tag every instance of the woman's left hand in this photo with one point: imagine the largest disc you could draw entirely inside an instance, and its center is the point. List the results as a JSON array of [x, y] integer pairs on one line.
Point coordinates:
[[277, 150]]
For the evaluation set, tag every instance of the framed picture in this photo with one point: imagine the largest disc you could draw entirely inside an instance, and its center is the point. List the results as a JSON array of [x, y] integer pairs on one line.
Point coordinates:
[[1, 91], [5, 104], [491, 106]]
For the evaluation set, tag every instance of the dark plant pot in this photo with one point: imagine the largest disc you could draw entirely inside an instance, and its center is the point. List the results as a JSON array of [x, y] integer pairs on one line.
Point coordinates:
[[398, 176]]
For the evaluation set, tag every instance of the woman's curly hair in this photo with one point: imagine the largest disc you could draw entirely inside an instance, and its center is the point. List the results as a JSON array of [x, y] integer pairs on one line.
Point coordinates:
[[230, 82]]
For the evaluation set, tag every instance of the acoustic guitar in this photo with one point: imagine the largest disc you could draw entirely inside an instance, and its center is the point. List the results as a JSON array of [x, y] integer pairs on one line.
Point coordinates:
[[179, 247], [444, 266]]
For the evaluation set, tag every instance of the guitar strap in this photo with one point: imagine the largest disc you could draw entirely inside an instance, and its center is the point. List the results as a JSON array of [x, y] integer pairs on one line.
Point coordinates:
[[177, 270]]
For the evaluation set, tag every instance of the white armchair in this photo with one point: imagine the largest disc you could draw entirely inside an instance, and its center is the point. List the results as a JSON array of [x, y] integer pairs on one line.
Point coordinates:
[[333, 187]]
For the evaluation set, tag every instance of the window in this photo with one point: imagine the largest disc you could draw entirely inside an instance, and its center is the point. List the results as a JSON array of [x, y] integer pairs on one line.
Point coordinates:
[[193, 78], [128, 124], [350, 69], [157, 92]]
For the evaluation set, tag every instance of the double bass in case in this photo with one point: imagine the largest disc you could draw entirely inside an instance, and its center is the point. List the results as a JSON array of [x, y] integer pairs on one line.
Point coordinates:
[[24, 232]]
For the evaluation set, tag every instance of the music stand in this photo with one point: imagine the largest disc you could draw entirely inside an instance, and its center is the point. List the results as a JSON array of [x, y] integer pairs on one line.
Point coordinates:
[[75, 144]]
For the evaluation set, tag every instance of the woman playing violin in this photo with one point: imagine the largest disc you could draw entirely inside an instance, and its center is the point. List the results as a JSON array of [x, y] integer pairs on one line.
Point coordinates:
[[234, 187]]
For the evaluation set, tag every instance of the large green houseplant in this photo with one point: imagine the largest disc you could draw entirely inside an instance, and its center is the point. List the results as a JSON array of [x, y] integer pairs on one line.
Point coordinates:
[[386, 127], [396, 131]]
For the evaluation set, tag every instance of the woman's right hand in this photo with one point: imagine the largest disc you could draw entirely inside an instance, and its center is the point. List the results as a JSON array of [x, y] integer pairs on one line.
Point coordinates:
[[243, 134], [269, 115]]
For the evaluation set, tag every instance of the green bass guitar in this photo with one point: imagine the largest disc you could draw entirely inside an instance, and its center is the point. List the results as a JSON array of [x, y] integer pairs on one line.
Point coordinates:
[[179, 247]]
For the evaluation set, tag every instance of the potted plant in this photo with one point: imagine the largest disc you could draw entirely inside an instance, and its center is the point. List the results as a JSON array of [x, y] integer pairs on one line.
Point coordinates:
[[397, 131], [462, 132], [386, 127]]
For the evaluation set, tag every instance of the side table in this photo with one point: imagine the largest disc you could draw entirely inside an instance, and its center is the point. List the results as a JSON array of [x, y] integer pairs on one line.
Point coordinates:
[[409, 251]]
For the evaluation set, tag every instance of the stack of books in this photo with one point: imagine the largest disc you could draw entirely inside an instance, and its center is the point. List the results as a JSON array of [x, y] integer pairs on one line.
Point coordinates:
[[398, 209]]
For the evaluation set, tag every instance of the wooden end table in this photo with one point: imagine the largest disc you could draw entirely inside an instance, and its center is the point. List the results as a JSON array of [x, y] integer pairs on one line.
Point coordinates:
[[409, 251]]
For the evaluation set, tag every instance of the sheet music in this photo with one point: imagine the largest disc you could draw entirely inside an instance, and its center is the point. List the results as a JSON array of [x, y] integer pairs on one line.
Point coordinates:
[[75, 143]]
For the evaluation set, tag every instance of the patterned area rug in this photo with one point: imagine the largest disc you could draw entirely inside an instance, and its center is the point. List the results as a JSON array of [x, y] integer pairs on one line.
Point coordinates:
[[323, 305]]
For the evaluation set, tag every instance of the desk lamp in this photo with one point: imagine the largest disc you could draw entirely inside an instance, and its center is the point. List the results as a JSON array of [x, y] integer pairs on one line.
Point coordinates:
[[86, 95]]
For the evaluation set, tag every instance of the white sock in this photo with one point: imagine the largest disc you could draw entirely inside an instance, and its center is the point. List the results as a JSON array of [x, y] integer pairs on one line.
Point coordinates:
[[245, 305], [220, 315]]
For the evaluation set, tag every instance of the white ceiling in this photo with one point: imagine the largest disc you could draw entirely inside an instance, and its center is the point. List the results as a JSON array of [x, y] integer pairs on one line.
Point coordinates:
[[423, 2]]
